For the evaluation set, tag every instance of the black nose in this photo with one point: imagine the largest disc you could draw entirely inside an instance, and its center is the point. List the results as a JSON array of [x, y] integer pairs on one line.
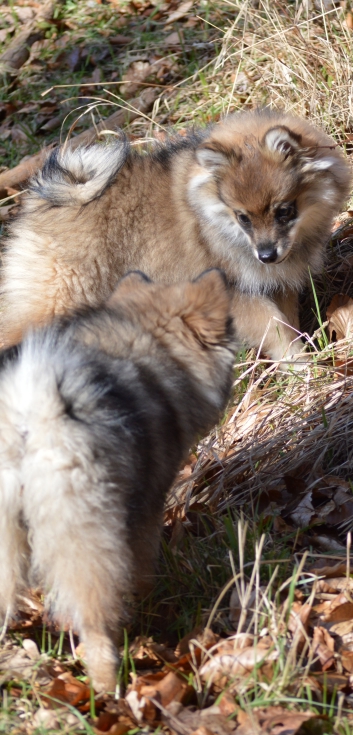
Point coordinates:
[[267, 254]]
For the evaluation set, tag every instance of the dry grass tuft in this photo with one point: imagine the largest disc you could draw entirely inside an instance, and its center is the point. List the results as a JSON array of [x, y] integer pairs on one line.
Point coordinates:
[[302, 426], [287, 55]]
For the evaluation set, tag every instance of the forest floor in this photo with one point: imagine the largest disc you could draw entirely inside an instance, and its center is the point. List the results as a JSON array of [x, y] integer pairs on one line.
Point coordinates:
[[249, 628]]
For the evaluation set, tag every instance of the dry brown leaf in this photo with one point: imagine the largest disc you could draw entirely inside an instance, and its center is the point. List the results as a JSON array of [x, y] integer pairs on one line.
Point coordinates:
[[342, 508], [185, 720], [147, 655], [31, 649], [120, 728], [68, 690], [323, 647], [108, 724], [171, 688], [185, 663], [163, 687], [141, 707], [18, 50], [304, 512], [248, 724], [326, 543], [326, 607], [337, 482], [137, 72], [192, 22], [237, 663], [181, 11], [227, 704], [342, 630], [278, 721], [253, 418], [105, 722], [205, 636], [298, 621], [330, 570], [240, 81], [15, 663], [336, 584], [340, 613], [239, 640], [340, 317], [332, 682], [173, 39], [347, 660]]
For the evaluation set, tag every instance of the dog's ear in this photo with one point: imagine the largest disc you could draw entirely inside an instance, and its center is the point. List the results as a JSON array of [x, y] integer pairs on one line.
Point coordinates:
[[320, 164], [132, 282], [211, 156], [207, 307], [214, 155], [281, 143]]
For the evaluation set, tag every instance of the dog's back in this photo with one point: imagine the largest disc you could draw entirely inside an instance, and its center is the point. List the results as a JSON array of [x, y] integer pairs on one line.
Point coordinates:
[[96, 414]]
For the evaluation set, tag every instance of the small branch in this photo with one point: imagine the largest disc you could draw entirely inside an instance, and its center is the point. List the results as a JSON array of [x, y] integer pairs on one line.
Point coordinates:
[[16, 177]]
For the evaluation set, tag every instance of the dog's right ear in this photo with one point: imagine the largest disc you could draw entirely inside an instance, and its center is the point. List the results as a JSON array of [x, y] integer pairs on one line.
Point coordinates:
[[132, 282], [212, 156]]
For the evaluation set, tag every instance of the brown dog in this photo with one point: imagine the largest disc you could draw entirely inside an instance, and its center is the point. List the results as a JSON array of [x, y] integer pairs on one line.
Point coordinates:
[[96, 415], [254, 195]]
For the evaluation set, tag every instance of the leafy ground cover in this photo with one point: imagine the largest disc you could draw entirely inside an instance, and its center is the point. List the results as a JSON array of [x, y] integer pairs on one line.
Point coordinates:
[[250, 626]]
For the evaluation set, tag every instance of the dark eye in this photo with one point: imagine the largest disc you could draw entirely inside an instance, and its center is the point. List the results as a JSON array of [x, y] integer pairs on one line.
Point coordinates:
[[244, 220], [286, 212]]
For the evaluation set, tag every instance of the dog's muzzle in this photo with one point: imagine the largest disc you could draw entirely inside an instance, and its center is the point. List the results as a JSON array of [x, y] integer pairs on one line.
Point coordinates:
[[267, 253]]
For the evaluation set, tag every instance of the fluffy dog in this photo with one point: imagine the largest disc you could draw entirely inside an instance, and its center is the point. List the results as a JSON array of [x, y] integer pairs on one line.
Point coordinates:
[[96, 414], [254, 195]]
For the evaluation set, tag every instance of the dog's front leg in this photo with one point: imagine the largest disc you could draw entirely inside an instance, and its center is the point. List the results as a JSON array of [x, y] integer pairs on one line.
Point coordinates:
[[287, 302], [261, 324]]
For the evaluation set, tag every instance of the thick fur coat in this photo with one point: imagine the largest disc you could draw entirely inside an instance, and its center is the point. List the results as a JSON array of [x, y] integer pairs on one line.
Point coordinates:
[[96, 415], [255, 195]]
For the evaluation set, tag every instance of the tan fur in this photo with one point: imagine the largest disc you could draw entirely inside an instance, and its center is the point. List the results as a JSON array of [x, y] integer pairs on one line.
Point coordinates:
[[176, 212], [97, 413]]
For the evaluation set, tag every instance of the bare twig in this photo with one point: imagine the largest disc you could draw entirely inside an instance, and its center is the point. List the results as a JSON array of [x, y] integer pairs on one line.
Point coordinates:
[[140, 105]]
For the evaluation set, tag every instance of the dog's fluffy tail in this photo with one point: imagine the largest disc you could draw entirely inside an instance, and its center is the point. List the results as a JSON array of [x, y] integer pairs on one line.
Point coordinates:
[[76, 177]]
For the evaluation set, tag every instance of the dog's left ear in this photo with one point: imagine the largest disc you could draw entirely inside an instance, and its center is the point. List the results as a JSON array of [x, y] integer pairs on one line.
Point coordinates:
[[207, 307], [281, 143], [132, 282]]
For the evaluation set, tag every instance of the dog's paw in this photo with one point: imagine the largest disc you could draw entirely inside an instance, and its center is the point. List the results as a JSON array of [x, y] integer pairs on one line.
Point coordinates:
[[101, 658], [297, 361], [294, 359]]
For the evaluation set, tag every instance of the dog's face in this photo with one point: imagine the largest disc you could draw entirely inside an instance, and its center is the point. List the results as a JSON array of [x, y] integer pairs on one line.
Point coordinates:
[[267, 189]]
